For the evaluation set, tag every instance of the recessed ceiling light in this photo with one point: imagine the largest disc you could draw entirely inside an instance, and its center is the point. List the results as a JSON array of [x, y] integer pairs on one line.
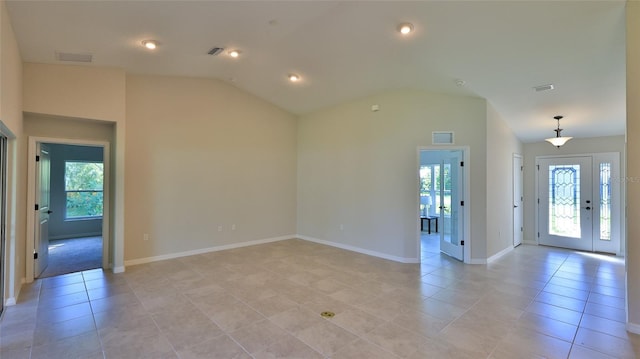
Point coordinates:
[[294, 77], [150, 44], [405, 28], [234, 53]]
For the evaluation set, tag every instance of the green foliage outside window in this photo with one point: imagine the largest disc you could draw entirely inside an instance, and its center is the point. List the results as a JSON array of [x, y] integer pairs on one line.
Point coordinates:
[[83, 186]]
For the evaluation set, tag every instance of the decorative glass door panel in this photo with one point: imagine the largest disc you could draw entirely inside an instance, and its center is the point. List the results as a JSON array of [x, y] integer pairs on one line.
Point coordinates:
[[566, 205]]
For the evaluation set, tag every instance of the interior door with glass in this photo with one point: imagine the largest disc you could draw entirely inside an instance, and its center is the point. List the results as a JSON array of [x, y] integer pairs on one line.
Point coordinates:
[[565, 202], [41, 250], [518, 201], [450, 205]]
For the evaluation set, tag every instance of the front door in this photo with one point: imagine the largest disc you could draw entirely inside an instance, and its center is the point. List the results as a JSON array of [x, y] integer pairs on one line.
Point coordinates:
[[579, 202], [450, 205], [41, 250]]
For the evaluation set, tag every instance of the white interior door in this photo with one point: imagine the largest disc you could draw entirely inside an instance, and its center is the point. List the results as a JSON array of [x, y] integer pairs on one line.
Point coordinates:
[[518, 200], [3, 215], [451, 195], [43, 179], [566, 203]]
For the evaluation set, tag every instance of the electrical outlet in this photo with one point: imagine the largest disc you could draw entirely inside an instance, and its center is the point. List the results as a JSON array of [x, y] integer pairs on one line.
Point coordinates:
[[219, 228], [342, 227], [233, 227], [145, 236]]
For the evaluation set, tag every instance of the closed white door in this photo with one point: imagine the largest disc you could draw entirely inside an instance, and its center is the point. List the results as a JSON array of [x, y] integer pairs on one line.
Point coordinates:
[[41, 250], [518, 200], [579, 202]]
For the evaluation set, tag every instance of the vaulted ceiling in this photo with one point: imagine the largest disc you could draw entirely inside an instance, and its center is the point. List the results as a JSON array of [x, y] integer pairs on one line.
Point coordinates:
[[344, 50]]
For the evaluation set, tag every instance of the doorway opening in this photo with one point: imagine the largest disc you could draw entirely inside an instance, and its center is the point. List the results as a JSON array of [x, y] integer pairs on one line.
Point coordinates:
[[70, 200], [441, 203], [69, 188], [579, 202]]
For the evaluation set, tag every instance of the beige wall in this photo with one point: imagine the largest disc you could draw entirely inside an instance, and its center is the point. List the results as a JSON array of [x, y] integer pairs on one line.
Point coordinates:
[[502, 144], [11, 121], [633, 165], [573, 147], [40, 125], [359, 169], [75, 91], [202, 155]]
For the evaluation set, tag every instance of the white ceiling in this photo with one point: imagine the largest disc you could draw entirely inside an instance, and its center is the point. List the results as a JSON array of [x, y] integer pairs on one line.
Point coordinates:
[[346, 50]]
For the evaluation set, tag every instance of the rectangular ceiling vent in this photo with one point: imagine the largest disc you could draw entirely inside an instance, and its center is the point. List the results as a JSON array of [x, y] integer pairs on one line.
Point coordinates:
[[74, 57], [442, 138], [215, 51], [544, 88]]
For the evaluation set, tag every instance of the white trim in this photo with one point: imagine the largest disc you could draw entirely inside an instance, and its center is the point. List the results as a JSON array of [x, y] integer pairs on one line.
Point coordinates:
[[13, 300], [360, 250], [118, 269], [133, 262], [530, 242], [31, 196], [478, 261], [633, 328], [500, 254]]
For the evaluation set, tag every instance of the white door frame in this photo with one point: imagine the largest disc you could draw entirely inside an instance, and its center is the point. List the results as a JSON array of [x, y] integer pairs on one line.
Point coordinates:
[[31, 197], [466, 185], [616, 190]]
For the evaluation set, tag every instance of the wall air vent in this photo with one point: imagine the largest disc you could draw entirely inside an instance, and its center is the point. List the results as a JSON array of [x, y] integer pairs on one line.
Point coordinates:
[[442, 138], [215, 51], [74, 56]]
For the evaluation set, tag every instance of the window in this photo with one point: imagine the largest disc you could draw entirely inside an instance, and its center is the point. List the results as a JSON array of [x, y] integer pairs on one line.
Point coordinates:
[[83, 187], [605, 201]]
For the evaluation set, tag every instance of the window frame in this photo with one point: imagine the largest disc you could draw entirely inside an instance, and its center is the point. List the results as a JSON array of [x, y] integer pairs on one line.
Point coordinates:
[[66, 192]]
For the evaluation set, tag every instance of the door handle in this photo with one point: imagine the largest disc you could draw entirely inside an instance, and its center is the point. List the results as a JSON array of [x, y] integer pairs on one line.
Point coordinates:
[[49, 212], [514, 206], [587, 208]]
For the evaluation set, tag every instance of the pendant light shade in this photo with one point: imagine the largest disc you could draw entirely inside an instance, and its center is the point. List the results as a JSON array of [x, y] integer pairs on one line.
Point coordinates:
[[558, 140]]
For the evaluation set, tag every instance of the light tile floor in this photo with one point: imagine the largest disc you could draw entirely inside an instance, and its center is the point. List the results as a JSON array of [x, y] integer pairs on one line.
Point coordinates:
[[264, 302]]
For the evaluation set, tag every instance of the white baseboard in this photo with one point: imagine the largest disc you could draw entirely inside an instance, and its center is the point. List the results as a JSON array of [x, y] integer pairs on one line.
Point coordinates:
[[118, 269], [633, 328], [360, 250], [201, 251], [478, 261], [10, 301], [500, 254], [530, 242]]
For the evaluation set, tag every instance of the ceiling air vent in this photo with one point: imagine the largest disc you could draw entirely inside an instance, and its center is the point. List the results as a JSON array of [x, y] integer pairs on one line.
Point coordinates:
[[543, 88], [215, 51], [74, 57]]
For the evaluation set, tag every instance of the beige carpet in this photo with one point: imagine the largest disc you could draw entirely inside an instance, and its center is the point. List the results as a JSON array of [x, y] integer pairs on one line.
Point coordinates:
[[73, 255]]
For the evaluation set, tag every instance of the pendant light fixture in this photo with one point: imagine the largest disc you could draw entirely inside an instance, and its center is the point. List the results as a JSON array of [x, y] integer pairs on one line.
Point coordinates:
[[558, 140]]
